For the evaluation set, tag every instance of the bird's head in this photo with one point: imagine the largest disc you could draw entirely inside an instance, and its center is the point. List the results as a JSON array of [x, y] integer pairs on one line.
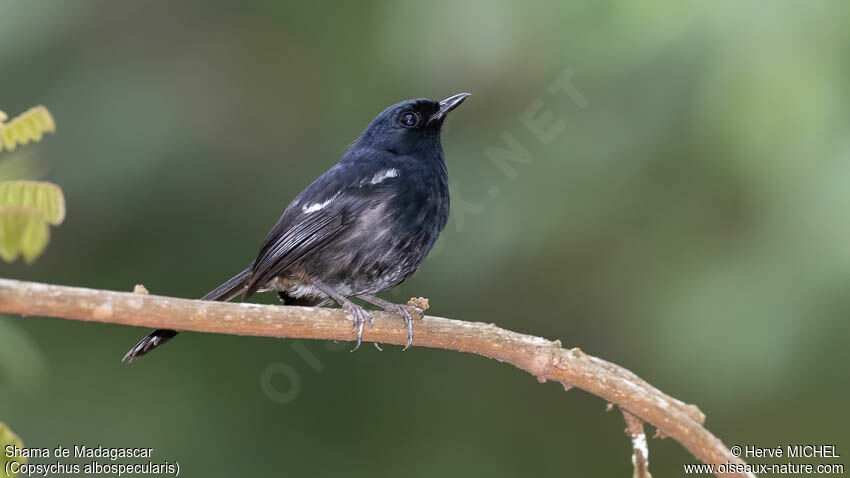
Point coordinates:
[[410, 125]]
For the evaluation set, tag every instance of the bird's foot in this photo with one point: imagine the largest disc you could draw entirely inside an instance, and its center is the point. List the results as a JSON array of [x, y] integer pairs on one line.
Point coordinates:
[[400, 309], [360, 316], [404, 311]]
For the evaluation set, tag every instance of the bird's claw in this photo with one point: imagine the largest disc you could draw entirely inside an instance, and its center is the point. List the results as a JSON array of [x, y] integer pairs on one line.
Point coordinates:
[[408, 320], [360, 316]]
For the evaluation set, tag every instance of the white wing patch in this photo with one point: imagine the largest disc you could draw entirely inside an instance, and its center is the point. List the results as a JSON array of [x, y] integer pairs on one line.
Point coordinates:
[[383, 175], [318, 206], [378, 178]]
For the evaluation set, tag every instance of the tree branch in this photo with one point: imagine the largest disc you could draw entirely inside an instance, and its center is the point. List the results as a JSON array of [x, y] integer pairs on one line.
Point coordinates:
[[542, 358], [640, 449]]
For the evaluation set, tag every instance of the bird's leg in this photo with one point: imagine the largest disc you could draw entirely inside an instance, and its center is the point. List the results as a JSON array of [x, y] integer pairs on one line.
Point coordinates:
[[400, 309], [359, 314]]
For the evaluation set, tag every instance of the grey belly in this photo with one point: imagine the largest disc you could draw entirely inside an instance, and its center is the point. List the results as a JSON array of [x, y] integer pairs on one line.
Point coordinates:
[[356, 266], [374, 255]]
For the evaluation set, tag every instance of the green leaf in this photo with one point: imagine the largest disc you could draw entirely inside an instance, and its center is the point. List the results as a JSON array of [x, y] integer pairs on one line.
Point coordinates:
[[44, 196], [7, 437], [23, 230]]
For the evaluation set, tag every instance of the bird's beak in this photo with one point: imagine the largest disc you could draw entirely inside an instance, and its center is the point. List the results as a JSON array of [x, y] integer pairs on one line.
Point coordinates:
[[447, 105]]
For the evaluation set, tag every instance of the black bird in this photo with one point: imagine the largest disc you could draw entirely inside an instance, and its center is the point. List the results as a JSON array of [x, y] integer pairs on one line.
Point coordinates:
[[362, 227]]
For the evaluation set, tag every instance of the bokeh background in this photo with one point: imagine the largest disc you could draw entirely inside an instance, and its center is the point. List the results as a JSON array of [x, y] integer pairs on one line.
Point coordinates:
[[690, 222]]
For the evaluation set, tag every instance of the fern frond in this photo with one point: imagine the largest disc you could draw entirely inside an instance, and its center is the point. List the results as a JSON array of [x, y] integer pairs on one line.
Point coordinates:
[[23, 231], [44, 196], [7, 439], [28, 126]]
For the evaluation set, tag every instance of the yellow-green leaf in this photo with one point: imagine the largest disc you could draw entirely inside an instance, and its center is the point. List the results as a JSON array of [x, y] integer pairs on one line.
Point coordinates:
[[28, 126], [44, 196], [8, 438], [23, 231]]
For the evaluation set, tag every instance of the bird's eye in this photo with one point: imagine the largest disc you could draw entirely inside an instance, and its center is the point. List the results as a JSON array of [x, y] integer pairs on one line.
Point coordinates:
[[409, 119]]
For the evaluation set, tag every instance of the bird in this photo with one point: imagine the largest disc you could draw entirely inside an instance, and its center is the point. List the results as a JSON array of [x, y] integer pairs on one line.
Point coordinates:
[[361, 228]]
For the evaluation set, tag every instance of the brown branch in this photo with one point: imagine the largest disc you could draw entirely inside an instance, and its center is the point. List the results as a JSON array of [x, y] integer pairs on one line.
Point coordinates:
[[542, 358], [640, 449]]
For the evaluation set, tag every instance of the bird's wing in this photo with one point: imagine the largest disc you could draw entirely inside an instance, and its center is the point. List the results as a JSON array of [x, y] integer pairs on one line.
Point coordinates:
[[320, 214], [285, 245]]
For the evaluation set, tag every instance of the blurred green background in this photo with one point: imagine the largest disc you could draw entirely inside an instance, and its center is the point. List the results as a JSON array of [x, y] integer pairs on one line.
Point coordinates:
[[690, 223]]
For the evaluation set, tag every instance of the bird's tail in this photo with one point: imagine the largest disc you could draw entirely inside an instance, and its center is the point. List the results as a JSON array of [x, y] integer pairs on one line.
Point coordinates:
[[224, 292], [231, 288]]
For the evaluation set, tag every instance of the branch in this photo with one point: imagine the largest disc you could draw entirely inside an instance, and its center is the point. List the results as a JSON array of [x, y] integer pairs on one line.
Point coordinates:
[[640, 453], [542, 358]]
